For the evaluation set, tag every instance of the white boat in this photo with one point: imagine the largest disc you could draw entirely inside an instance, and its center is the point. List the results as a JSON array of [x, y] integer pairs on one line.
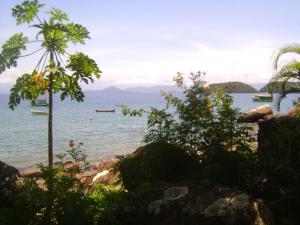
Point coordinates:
[[39, 112], [40, 102]]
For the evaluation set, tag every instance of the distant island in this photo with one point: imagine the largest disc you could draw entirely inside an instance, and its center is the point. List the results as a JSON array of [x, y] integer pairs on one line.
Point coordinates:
[[234, 87], [278, 86]]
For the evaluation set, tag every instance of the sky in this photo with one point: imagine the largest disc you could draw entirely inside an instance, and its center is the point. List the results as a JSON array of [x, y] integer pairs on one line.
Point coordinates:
[[144, 43]]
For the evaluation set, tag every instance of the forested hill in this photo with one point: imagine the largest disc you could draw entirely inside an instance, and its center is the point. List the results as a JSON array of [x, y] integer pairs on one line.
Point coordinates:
[[234, 87], [278, 86]]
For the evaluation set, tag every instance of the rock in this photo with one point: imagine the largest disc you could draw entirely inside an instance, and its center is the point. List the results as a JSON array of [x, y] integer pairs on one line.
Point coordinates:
[[106, 177], [294, 111], [175, 193], [31, 172], [254, 115], [100, 177], [220, 207], [262, 214], [240, 202], [227, 206], [278, 144], [9, 176]]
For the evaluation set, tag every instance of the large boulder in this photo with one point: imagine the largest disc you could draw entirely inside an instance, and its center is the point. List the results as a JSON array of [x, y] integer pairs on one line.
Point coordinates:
[[279, 154], [294, 111], [278, 143], [256, 114], [9, 176], [31, 172], [157, 162]]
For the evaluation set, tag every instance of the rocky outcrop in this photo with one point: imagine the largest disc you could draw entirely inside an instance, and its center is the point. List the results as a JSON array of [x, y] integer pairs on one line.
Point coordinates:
[[9, 176], [208, 204], [256, 114], [31, 172], [294, 111], [278, 143]]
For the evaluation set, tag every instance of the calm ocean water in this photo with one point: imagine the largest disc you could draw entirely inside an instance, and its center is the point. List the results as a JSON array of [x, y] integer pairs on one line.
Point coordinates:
[[23, 136]]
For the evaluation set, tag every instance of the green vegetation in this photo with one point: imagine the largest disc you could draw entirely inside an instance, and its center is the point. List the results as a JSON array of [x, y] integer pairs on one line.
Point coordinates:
[[57, 196], [278, 87], [288, 72], [195, 141], [204, 126], [234, 87], [57, 70]]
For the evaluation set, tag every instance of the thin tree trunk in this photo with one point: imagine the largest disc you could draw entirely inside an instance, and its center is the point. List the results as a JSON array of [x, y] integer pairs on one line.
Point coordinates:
[[50, 132]]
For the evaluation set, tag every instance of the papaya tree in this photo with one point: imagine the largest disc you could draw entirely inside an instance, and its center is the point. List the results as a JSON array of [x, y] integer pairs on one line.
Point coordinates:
[[57, 71]]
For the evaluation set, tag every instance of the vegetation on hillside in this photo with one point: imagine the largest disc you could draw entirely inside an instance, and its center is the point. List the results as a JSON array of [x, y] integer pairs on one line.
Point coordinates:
[[278, 87], [233, 87]]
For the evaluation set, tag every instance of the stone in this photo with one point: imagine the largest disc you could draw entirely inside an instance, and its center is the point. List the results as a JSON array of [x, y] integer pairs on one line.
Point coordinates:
[[256, 114], [278, 144], [220, 207], [262, 214], [100, 177], [230, 209], [175, 193], [294, 111], [31, 172], [240, 202], [9, 176]]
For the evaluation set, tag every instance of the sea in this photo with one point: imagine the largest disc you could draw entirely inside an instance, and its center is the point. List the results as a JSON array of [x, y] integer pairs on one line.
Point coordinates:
[[23, 136]]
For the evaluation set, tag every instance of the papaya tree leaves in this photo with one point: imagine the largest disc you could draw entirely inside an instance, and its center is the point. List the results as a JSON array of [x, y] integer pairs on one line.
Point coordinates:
[[27, 11], [69, 87], [24, 89], [57, 15], [11, 51], [83, 67], [76, 33]]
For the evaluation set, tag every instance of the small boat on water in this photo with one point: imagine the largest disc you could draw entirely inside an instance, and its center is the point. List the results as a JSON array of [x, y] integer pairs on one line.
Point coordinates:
[[262, 98], [39, 112], [40, 102], [105, 110]]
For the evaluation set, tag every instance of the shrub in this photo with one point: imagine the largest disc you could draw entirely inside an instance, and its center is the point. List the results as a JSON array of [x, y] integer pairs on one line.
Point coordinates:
[[57, 196], [157, 162], [203, 124]]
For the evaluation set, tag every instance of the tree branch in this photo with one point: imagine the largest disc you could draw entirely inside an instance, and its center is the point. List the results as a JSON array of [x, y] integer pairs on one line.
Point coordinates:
[[32, 53]]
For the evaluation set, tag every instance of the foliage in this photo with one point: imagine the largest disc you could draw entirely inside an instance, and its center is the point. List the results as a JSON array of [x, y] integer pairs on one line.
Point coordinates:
[[53, 35], [233, 87], [204, 125], [57, 196], [290, 72], [57, 71], [156, 162]]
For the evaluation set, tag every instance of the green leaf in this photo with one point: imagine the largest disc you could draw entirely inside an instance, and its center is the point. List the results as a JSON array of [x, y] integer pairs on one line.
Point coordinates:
[[24, 89], [57, 15], [77, 33], [11, 51], [25, 12], [83, 67]]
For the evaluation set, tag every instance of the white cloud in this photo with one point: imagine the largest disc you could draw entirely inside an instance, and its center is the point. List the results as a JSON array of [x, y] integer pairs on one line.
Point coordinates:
[[249, 61], [9, 76]]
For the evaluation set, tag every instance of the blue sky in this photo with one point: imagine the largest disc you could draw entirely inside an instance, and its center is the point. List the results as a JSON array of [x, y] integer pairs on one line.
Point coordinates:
[[146, 42]]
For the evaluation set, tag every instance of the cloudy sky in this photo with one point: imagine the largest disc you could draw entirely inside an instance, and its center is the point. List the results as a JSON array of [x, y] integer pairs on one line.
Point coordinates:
[[145, 42]]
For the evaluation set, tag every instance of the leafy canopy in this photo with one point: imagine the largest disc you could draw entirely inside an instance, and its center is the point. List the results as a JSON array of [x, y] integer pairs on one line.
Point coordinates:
[[286, 74], [57, 69]]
